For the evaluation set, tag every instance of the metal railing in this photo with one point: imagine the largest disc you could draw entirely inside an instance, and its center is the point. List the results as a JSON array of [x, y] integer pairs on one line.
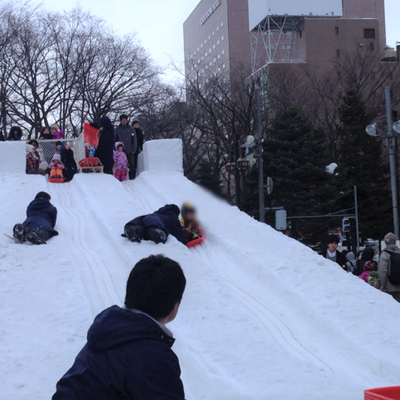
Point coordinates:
[[47, 148]]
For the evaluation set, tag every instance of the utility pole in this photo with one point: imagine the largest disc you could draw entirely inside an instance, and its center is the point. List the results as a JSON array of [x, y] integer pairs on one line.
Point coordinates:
[[392, 158], [356, 215], [259, 142]]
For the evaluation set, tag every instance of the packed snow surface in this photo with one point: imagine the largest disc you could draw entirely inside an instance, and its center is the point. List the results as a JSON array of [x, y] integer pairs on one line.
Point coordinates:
[[263, 317]]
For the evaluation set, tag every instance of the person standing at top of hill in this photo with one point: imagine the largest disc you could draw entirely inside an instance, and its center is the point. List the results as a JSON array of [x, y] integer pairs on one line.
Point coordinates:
[[105, 149], [45, 134], [56, 132], [128, 354], [332, 253], [127, 135], [389, 267], [140, 139], [15, 133]]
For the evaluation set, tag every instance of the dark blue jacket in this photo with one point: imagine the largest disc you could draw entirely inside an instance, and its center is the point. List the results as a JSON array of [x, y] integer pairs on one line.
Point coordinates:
[[41, 216], [127, 356], [166, 218]]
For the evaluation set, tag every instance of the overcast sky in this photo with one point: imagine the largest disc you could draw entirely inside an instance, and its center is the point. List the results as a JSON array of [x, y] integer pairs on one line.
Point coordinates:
[[158, 23]]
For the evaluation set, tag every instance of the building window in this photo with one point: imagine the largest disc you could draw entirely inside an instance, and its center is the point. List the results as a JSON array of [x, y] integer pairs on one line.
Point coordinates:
[[214, 46], [223, 66], [336, 30], [217, 28], [209, 37], [337, 53], [301, 33], [217, 42], [371, 46], [222, 24], [223, 52], [213, 33], [369, 33], [209, 51], [219, 56], [202, 45], [222, 38], [198, 49], [205, 42]]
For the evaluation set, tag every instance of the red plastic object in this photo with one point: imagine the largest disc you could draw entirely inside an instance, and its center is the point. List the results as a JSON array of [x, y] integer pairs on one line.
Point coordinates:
[[196, 242], [385, 393], [91, 135], [56, 180], [89, 162]]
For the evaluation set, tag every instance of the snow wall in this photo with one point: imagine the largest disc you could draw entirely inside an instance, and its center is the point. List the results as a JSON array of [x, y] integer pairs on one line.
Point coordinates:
[[165, 155], [12, 157]]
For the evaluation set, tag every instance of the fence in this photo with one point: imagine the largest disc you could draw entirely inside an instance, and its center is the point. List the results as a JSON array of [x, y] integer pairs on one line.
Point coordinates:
[[47, 148]]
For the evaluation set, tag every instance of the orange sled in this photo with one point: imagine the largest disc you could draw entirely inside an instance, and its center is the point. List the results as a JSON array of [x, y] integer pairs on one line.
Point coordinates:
[[197, 241], [54, 176]]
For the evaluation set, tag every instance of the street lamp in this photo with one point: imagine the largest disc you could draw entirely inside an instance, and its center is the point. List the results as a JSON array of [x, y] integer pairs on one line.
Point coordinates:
[[372, 130]]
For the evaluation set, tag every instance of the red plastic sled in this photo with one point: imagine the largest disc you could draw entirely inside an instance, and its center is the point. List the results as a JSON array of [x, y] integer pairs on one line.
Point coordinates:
[[196, 242], [56, 180], [385, 393]]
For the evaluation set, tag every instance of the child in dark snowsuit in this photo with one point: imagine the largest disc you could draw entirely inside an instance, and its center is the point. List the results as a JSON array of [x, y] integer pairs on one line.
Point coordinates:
[[121, 162]]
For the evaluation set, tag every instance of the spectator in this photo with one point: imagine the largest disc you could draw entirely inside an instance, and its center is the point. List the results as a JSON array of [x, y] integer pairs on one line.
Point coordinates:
[[332, 253], [126, 134], [389, 267], [60, 147], [32, 161], [140, 139], [45, 134], [15, 133], [56, 132], [156, 226], [367, 256], [40, 170], [121, 162], [40, 222], [128, 352], [351, 262], [68, 159], [105, 149]]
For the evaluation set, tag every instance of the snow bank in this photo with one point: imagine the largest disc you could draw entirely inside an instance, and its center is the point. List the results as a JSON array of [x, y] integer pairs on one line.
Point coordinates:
[[12, 157], [164, 155]]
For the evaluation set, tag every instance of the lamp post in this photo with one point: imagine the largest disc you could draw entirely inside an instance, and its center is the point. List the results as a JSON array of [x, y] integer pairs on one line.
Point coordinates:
[[372, 130]]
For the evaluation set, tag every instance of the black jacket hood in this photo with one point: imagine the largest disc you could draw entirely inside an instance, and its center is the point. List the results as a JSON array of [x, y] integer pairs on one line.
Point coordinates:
[[116, 326]]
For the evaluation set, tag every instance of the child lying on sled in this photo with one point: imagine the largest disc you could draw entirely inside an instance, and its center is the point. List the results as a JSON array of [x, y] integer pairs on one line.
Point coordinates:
[[190, 223]]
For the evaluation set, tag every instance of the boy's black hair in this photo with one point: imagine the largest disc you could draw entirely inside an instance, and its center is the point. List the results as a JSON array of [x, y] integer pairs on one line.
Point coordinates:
[[43, 195], [58, 143], [332, 239], [155, 285], [123, 116]]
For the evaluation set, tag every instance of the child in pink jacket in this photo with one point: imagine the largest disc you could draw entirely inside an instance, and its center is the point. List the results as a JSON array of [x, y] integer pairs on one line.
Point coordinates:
[[121, 162]]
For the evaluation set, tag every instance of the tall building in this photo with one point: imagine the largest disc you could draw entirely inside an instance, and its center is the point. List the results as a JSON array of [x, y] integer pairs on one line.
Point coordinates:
[[217, 37], [217, 34]]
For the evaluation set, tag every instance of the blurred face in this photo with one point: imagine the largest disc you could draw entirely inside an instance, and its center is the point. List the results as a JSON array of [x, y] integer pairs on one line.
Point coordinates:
[[120, 148], [46, 131], [136, 125], [59, 147], [56, 161], [332, 247], [190, 216], [53, 129], [124, 121]]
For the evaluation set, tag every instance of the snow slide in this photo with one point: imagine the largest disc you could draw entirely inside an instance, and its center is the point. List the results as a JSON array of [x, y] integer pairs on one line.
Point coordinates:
[[263, 317]]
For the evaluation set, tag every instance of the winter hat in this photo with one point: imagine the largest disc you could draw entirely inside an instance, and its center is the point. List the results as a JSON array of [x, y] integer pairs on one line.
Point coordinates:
[[135, 120], [370, 266], [43, 195], [58, 143], [119, 144], [351, 257], [55, 126], [29, 148], [368, 254], [123, 116], [374, 274], [57, 157], [390, 239]]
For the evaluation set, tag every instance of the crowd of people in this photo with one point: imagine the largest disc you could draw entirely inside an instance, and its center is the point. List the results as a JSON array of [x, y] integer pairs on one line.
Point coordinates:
[[117, 150], [381, 271]]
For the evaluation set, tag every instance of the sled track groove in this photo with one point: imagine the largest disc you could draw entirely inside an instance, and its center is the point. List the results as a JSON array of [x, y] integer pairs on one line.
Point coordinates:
[[94, 273]]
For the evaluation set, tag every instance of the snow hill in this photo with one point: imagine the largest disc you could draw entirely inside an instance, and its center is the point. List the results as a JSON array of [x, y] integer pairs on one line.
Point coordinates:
[[263, 317]]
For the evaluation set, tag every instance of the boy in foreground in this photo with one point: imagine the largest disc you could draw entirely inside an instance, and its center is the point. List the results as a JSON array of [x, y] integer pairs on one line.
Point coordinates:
[[128, 351]]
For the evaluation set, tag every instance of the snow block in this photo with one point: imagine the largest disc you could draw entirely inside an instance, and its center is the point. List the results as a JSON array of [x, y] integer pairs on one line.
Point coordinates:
[[164, 155], [140, 164], [12, 157]]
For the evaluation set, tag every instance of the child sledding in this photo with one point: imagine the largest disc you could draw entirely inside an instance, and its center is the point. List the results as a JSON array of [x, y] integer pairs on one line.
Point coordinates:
[[56, 169], [159, 225]]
